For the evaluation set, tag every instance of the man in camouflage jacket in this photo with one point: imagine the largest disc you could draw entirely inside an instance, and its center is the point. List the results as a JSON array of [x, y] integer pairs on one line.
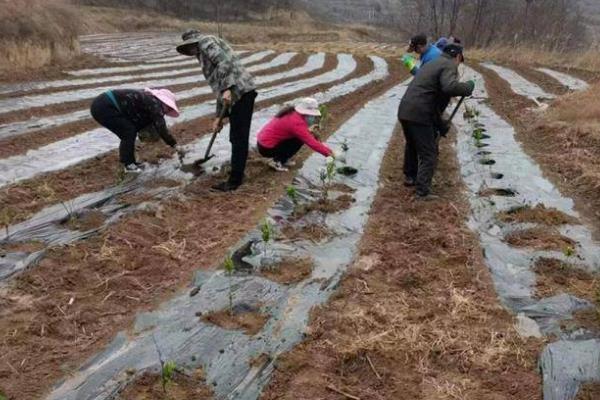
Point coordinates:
[[235, 91]]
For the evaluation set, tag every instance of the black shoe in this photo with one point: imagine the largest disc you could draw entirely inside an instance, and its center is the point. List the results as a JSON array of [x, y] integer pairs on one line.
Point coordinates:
[[409, 182], [225, 186]]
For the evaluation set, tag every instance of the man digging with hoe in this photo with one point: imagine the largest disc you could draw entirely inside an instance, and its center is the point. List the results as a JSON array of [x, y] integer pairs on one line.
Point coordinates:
[[235, 91]]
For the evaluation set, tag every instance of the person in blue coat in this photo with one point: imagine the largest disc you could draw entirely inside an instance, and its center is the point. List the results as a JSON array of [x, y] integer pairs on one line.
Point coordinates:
[[427, 53]]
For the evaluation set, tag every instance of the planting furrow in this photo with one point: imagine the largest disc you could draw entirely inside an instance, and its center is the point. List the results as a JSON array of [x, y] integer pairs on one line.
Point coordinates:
[[70, 151], [45, 226], [567, 80], [24, 102], [181, 60], [519, 84], [504, 183], [239, 365], [41, 131]]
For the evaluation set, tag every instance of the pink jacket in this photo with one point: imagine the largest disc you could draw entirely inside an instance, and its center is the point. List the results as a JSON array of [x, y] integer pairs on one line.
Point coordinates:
[[287, 127]]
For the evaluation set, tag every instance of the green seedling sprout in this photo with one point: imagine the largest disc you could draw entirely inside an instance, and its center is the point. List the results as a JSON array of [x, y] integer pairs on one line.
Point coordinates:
[[266, 230], [292, 193], [324, 115], [569, 251], [3, 397], [229, 269], [167, 374]]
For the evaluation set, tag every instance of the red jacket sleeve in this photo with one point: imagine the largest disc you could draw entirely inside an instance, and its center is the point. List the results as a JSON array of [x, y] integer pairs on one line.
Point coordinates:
[[301, 131]]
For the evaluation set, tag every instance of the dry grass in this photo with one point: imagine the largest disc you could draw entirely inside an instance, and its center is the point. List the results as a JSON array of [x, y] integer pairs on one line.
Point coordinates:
[[578, 108], [588, 60], [36, 33]]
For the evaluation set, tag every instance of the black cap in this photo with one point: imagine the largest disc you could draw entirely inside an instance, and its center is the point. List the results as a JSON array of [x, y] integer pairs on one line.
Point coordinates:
[[418, 40], [454, 50]]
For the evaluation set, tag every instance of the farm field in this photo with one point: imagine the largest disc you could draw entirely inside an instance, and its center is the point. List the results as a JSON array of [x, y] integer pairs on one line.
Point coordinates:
[[301, 284]]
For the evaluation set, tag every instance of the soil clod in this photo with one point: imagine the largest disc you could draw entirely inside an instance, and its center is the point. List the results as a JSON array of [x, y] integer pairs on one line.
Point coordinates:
[[540, 239], [289, 271], [243, 317]]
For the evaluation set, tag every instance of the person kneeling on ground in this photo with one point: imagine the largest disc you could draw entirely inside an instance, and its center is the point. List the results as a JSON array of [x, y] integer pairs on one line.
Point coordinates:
[[285, 134], [420, 115], [125, 112]]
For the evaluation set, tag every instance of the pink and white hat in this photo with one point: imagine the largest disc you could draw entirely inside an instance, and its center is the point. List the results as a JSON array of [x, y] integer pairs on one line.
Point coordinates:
[[166, 97], [308, 106]]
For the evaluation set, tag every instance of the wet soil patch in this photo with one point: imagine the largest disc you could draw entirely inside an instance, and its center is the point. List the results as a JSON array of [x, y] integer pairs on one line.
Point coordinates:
[[289, 271], [181, 387], [488, 192], [88, 220], [555, 276], [538, 214], [122, 271], [243, 318], [540, 239], [313, 232]]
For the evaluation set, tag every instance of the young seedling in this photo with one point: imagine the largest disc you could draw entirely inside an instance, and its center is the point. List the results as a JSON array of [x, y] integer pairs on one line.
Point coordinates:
[[229, 269], [167, 374], [292, 193], [324, 115], [569, 251], [266, 230]]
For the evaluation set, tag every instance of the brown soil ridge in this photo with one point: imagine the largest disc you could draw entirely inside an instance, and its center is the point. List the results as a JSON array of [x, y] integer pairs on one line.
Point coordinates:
[[182, 387], [554, 276], [538, 214], [545, 81], [417, 316], [25, 198], [289, 271], [558, 149], [540, 239], [133, 266], [21, 143]]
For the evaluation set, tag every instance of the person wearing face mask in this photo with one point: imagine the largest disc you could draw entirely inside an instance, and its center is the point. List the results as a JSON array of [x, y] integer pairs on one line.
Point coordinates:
[[420, 113], [282, 137], [235, 90]]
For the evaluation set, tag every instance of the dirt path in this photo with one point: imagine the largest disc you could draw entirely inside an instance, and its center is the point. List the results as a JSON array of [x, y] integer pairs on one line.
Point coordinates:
[[545, 81], [132, 266], [417, 318], [23, 199], [569, 157]]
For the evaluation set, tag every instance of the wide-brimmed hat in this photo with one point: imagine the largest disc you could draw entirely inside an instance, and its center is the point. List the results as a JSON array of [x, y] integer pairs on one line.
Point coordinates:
[[308, 106], [190, 40], [167, 98]]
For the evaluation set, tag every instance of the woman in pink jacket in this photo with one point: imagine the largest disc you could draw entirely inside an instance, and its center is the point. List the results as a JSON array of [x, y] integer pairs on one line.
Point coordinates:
[[285, 134]]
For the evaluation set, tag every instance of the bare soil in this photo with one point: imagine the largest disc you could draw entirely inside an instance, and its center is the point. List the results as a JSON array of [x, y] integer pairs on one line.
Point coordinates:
[[26, 247], [313, 232], [89, 220], [589, 391], [27, 197], [183, 387], [540, 239], [133, 265], [538, 214], [555, 277], [251, 322], [417, 316], [289, 271]]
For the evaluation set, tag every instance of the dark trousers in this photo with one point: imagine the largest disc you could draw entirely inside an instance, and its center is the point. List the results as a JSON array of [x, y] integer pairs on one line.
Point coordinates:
[[107, 115], [240, 121], [283, 151], [420, 154]]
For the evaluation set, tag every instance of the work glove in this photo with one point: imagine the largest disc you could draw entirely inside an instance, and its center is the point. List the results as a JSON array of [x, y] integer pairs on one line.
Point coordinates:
[[339, 156], [409, 62]]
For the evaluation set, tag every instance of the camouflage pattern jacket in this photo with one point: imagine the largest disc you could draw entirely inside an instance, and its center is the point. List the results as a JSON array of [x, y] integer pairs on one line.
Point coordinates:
[[223, 70]]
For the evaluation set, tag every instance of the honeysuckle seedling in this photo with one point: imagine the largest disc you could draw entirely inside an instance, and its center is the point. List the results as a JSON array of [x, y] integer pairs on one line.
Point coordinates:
[[292, 193], [569, 251], [324, 115], [229, 269], [167, 374], [266, 230]]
